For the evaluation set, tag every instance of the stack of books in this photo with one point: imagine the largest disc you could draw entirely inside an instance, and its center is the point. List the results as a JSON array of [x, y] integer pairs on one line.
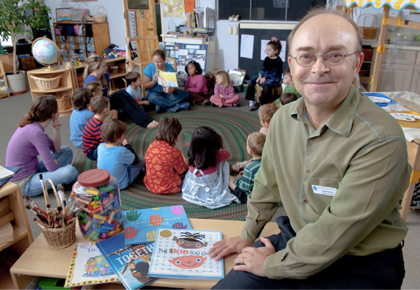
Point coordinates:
[[156, 243]]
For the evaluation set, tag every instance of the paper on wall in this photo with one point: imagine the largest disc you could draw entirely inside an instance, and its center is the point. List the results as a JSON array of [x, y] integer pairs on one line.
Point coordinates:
[[263, 48], [247, 46]]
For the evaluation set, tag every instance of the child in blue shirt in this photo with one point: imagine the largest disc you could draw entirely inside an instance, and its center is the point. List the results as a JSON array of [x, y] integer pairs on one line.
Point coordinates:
[[116, 156], [134, 80], [80, 115]]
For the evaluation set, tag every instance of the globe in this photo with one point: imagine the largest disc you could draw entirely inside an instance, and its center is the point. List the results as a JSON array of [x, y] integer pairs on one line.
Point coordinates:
[[45, 51]]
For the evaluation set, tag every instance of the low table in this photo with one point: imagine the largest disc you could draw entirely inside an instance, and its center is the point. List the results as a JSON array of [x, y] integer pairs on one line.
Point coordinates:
[[42, 261]]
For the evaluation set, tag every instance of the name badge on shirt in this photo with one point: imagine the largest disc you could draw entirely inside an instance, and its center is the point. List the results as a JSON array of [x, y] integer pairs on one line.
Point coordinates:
[[324, 190]]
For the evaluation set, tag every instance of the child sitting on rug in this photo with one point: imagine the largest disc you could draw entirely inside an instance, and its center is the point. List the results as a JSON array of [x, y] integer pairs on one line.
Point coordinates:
[[134, 88], [116, 156], [266, 113], [243, 184], [96, 88], [207, 180], [224, 95], [164, 163], [196, 84], [80, 115], [91, 137], [289, 87]]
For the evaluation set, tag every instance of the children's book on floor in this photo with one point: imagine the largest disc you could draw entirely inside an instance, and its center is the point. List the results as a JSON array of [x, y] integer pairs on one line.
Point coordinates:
[[88, 266], [140, 225], [167, 79], [182, 254], [130, 263]]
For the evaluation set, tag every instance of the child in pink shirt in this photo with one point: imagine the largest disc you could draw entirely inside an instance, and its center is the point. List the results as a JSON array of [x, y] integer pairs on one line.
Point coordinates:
[[196, 84], [224, 94]]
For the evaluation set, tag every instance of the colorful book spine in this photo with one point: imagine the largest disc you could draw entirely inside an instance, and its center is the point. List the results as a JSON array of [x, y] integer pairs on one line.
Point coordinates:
[[130, 263], [140, 225], [183, 254]]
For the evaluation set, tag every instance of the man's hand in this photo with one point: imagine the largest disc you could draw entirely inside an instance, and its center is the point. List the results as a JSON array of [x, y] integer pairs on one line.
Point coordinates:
[[252, 259], [226, 247]]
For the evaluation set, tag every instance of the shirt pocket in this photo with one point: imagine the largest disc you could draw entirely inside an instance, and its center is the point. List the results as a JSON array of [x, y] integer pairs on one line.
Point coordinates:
[[323, 200]]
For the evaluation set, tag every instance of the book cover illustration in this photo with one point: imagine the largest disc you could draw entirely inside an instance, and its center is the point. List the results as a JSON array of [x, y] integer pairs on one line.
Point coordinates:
[[167, 79], [184, 254], [88, 266], [130, 263], [140, 225]]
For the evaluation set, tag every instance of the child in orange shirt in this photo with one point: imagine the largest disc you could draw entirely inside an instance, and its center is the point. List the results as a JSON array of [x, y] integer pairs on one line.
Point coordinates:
[[164, 162]]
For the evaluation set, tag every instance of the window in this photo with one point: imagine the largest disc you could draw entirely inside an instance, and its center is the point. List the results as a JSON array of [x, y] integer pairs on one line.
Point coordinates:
[[279, 10]]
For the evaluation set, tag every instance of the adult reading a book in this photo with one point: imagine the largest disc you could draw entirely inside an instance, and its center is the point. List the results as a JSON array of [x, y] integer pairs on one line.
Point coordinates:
[[31, 140], [165, 98], [121, 101], [339, 165]]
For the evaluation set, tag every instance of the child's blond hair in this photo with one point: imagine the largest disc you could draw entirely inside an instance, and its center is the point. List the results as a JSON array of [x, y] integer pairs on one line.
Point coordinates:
[[266, 112], [256, 141], [226, 79]]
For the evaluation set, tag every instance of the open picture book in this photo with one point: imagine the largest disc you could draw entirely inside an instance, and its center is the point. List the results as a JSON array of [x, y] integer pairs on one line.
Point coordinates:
[[167, 79], [184, 254]]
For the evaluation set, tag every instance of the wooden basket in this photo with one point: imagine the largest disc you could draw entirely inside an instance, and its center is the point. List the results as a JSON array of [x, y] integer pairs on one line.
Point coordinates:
[[58, 238], [63, 103], [99, 16], [45, 84], [368, 32]]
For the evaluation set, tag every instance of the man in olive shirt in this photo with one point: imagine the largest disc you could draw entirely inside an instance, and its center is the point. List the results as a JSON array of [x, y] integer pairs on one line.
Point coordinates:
[[339, 164]]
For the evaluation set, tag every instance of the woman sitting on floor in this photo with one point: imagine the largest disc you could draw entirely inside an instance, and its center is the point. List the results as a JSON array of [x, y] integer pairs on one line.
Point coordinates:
[[31, 140], [121, 101], [166, 98]]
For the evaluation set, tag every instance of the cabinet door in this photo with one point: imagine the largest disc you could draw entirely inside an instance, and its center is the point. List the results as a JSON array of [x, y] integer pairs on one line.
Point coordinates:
[[394, 78], [415, 83]]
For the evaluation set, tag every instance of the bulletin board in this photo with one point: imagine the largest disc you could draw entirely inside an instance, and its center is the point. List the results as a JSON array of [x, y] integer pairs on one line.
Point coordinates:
[[261, 31]]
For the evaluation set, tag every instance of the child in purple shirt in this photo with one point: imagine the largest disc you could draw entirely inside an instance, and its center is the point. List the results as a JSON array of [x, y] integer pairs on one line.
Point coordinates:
[[224, 95], [196, 84], [31, 140]]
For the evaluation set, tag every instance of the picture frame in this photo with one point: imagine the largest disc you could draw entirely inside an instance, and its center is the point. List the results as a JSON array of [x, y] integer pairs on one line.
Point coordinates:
[[138, 4], [63, 14]]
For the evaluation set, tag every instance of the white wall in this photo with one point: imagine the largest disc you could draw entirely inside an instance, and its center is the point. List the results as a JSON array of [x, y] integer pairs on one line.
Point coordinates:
[[226, 46], [114, 10]]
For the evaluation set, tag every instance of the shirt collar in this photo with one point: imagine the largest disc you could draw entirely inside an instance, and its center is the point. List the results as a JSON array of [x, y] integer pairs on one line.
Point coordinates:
[[341, 121]]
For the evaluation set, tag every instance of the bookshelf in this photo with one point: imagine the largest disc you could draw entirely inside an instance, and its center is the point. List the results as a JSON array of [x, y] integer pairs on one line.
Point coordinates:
[[94, 38]]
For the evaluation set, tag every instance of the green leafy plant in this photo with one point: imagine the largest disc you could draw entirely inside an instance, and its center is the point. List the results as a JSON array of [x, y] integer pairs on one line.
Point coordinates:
[[14, 19]]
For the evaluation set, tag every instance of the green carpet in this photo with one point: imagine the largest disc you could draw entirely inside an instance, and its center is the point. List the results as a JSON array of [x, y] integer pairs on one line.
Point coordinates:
[[233, 125]]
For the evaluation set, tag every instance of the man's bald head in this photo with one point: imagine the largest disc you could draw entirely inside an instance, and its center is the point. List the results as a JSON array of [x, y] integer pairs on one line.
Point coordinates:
[[320, 11]]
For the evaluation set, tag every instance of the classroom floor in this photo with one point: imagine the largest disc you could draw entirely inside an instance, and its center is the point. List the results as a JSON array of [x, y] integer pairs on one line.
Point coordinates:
[[12, 109]]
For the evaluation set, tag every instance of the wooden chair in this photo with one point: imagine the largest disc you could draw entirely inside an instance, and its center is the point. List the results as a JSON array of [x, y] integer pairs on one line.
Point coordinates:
[[146, 45], [274, 91]]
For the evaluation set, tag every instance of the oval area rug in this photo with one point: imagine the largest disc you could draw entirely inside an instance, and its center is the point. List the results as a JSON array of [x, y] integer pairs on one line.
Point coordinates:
[[233, 125]]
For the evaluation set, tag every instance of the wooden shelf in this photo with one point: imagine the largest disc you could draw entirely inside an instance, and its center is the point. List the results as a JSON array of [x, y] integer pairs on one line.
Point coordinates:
[[118, 75], [52, 90], [18, 234], [66, 112]]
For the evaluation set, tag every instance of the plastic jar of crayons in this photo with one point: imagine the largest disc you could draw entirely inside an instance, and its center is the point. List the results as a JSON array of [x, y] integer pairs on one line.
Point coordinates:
[[97, 195]]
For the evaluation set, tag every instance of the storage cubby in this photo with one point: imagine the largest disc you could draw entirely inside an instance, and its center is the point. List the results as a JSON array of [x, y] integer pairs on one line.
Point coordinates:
[[95, 35]]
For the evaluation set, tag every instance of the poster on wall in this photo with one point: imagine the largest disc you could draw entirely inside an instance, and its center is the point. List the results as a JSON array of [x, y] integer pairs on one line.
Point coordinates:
[[184, 53], [172, 8], [282, 51]]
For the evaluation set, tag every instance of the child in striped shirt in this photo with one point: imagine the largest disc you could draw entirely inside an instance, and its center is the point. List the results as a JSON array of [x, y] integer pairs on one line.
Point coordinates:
[[80, 115], [91, 138], [243, 184]]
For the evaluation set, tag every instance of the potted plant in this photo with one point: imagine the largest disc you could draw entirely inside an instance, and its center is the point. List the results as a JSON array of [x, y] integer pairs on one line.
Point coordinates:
[[15, 18]]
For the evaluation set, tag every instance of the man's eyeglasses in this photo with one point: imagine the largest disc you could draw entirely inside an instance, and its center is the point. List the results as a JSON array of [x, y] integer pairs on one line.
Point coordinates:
[[331, 58]]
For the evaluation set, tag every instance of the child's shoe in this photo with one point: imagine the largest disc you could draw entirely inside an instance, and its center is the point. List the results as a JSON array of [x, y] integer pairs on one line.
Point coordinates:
[[213, 105], [206, 103], [237, 104], [184, 106]]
